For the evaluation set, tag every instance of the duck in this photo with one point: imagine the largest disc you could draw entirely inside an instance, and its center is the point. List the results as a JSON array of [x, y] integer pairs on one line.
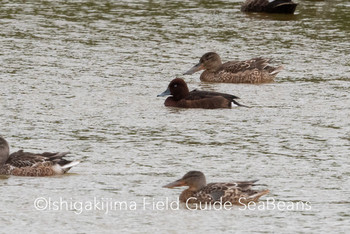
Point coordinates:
[[198, 191], [22, 163], [274, 6], [183, 98], [253, 71]]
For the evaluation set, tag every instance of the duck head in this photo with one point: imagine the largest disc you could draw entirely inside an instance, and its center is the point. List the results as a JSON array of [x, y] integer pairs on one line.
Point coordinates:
[[177, 88], [210, 61], [195, 180], [4, 150]]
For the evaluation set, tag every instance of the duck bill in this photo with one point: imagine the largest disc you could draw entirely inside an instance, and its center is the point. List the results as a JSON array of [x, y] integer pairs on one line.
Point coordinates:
[[165, 93], [176, 183], [194, 69]]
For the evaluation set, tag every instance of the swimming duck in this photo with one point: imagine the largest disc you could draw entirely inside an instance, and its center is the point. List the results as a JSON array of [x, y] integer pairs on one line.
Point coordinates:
[[252, 71], [182, 97], [236, 193], [274, 6], [23, 163]]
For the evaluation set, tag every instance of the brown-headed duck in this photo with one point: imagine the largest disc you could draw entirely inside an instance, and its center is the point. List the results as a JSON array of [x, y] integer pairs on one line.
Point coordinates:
[[251, 71], [23, 163], [268, 6], [235, 193], [182, 97]]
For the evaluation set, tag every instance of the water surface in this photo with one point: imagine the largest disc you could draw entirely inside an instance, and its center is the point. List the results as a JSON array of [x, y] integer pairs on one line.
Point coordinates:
[[82, 76]]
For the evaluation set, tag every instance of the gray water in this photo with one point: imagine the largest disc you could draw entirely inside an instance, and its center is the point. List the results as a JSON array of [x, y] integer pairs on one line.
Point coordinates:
[[82, 76]]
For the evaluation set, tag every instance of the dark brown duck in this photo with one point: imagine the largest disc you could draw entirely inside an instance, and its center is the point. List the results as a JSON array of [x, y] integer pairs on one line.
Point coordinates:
[[182, 97], [275, 6]]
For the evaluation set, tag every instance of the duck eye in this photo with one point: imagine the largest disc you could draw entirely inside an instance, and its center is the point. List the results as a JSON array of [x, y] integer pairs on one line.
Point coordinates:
[[175, 85]]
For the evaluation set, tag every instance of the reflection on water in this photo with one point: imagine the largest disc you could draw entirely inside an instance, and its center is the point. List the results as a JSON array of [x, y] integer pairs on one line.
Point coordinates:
[[83, 76]]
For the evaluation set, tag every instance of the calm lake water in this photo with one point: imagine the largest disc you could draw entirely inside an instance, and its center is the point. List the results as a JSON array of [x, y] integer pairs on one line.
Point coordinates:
[[83, 76]]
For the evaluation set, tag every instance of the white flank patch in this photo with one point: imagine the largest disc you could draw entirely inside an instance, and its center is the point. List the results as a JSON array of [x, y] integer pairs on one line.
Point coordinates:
[[57, 169]]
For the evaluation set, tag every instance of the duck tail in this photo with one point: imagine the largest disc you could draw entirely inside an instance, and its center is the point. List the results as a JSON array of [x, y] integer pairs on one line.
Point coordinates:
[[255, 197], [62, 167], [276, 70], [239, 104], [284, 7], [69, 165]]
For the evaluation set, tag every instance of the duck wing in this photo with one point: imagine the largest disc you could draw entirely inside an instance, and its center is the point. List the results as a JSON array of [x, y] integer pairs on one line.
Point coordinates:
[[241, 66], [27, 159], [244, 185], [198, 94], [235, 192], [210, 96]]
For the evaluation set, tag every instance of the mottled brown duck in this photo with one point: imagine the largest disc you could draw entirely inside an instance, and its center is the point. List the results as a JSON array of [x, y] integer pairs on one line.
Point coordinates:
[[236, 193], [22, 163], [253, 71]]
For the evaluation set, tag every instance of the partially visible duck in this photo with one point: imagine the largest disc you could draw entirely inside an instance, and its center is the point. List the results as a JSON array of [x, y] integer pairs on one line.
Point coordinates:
[[182, 97], [252, 71], [236, 193], [23, 163], [274, 6]]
